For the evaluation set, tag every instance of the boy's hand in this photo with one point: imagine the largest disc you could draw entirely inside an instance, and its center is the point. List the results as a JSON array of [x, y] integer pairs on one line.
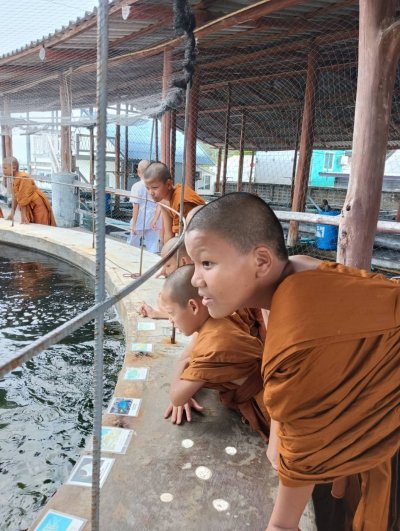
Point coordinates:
[[146, 310], [176, 412], [272, 454]]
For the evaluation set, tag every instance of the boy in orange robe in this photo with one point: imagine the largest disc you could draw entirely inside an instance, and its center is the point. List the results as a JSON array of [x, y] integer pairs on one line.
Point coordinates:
[[331, 364], [159, 184], [224, 355], [33, 203]]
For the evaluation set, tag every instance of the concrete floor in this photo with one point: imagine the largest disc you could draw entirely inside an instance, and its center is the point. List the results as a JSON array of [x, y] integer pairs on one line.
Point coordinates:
[[158, 464]]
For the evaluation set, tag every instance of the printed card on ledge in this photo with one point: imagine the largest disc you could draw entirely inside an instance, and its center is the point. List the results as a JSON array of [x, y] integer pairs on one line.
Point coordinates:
[[56, 521], [125, 406], [113, 440], [146, 325], [142, 347], [136, 373], [82, 472]]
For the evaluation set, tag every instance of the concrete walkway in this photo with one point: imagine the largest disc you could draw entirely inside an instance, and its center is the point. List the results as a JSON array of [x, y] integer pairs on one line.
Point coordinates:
[[156, 484]]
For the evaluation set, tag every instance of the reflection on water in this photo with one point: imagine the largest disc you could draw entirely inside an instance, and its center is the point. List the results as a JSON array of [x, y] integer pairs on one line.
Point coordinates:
[[46, 405]]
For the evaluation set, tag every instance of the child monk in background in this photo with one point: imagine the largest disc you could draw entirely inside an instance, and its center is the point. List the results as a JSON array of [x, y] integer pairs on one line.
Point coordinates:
[[331, 364], [224, 355], [32, 202], [158, 181]]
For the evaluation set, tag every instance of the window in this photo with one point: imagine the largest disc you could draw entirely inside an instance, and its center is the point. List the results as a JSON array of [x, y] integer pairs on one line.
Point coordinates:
[[328, 162]]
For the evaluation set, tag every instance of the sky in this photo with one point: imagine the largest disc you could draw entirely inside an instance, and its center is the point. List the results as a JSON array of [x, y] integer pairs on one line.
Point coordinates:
[[23, 21]]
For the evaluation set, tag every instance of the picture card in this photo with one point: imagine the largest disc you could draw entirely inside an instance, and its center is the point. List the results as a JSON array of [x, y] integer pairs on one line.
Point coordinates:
[[124, 406], [56, 521], [146, 325], [142, 347], [114, 440], [82, 472], [136, 373]]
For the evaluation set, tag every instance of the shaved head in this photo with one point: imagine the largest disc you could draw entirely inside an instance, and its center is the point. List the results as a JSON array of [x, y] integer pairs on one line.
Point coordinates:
[[157, 171], [170, 244], [142, 166], [12, 161], [178, 287], [243, 220], [192, 212]]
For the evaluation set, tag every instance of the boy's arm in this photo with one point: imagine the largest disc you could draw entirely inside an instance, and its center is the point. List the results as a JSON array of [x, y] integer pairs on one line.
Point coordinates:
[[135, 213], [153, 223], [273, 445], [167, 225]]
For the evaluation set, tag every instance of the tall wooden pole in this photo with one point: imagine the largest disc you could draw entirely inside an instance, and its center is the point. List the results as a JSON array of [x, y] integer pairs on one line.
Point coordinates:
[[306, 146], [6, 132], [218, 176], [241, 153], [226, 145], [166, 117], [173, 144], [126, 154], [251, 172], [190, 162], [117, 171], [296, 149], [66, 111], [378, 57]]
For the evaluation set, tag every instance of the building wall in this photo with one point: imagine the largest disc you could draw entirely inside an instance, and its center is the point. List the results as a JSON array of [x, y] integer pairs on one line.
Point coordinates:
[[325, 160]]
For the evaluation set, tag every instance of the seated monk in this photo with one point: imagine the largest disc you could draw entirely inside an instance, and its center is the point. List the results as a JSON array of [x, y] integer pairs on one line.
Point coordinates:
[[33, 203], [224, 356]]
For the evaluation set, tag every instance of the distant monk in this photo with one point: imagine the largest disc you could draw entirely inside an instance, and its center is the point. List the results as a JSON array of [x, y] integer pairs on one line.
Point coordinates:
[[158, 181], [33, 203]]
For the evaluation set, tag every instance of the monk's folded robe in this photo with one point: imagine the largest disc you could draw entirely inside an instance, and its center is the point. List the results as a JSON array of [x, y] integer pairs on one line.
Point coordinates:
[[225, 352], [1, 214], [254, 320], [27, 194], [331, 372], [190, 201]]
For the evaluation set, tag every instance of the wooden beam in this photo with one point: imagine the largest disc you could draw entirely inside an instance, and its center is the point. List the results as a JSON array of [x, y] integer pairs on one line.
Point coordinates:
[[306, 145], [218, 176], [126, 154], [241, 153], [190, 162], [166, 118], [379, 53], [226, 145], [66, 111], [172, 159]]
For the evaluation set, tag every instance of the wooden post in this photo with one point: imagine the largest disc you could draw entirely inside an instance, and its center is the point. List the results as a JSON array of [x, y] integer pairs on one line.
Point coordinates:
[[91, 149], [6, 131], [126, 154], [241, 153], [218, 176], [66, 110], [378, 57], [251, 172], [166, 117], [117, 158], [173, 144], [226, 146], [190, 162], [306, 146], [296, 150]]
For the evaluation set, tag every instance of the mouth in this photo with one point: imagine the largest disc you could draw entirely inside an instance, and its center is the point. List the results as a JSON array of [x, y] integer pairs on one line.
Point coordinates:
[[206, 301]]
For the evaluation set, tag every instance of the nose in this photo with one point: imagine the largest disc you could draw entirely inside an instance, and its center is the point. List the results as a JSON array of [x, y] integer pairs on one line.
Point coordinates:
[[197, 280]]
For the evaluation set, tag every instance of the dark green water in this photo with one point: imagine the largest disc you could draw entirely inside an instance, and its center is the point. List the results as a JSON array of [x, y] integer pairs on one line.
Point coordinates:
[[46, 405]]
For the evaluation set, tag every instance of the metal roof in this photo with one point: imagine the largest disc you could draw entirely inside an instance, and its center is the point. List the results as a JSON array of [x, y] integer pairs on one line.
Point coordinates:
[[257, 51]]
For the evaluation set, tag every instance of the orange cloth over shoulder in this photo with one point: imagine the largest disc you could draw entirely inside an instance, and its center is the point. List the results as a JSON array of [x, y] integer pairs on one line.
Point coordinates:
[[1, 214], [225, 352], [191, 200], [29, 195], [254, 319], [331, 372]]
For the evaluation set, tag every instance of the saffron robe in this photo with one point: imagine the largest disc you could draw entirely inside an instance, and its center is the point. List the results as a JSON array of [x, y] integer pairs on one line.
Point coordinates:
[[331, 372], [1, 213], [254, 319], [27, 194], [224, 352], [190, 200]]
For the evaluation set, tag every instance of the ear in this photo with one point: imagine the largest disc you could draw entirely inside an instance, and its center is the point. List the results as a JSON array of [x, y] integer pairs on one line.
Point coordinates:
[[263, 259], [194, 306], [170, 184], [184, 261]]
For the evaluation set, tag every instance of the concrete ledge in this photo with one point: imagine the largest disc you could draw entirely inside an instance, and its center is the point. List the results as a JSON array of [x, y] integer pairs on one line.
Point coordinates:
[[156, 461]]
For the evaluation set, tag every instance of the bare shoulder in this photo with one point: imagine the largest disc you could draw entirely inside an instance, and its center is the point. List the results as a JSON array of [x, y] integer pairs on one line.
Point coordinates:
[[301, 262]]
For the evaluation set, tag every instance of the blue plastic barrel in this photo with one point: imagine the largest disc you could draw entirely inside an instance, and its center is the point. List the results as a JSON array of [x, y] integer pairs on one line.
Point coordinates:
[[327, 235]]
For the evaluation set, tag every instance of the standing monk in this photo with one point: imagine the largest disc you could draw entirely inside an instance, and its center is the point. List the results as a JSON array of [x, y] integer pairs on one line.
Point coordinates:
[[33, 203], [158, 181]]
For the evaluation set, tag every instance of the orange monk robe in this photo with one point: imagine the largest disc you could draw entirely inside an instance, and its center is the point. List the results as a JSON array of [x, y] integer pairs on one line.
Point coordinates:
[[28, 195], [224, 352], [254, 319], [1, 214], [331, 372], [190, 200]]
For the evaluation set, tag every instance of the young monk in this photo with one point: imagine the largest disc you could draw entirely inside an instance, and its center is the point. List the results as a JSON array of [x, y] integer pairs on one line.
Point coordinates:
[[159, 183], [224, 356], [32, 202], [177, 260], [331, 364]]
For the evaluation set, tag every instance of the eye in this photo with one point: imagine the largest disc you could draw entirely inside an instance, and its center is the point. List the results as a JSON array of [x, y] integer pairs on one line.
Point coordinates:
[[206, 264]]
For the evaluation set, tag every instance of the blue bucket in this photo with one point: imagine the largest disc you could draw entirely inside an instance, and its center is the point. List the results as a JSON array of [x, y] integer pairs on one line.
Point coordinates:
[[327, 235]]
